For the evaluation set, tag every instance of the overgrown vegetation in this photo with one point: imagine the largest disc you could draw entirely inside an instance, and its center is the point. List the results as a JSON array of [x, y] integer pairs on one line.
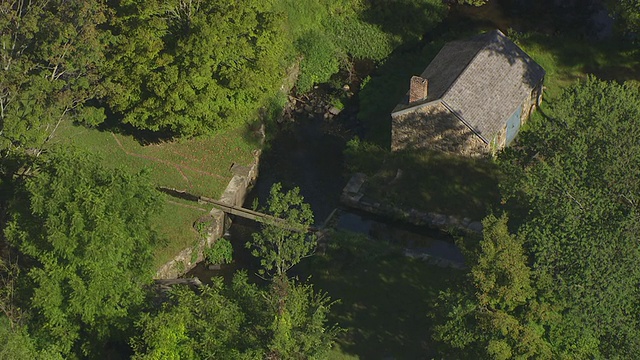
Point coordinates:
[[79, 232]]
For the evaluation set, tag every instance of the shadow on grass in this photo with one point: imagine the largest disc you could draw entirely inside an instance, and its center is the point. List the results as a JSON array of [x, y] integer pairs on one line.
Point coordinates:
[[437, 182], [427, 180], [385, 298], [113, 123], [407, 20], [567, 58]]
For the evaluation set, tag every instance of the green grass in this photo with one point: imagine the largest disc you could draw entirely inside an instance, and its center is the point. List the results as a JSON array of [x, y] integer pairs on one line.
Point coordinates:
[[385, 298], [174, 223], [567, 59], [427, 181], [199, 166], [436, 182]]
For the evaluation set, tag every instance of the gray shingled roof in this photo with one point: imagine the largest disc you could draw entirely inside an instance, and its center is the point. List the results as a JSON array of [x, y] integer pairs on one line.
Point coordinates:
[[482, 80]]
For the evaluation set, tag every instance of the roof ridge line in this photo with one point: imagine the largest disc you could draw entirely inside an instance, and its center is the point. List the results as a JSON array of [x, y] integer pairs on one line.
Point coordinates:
[[464, 121], [415, 107], [466, 67]]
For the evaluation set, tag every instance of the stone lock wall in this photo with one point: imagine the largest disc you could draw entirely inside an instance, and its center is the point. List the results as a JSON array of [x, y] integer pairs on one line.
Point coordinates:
[[212, 225]]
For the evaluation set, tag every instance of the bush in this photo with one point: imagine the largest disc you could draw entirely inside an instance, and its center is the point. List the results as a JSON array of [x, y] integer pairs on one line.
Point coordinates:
[[220, 252]]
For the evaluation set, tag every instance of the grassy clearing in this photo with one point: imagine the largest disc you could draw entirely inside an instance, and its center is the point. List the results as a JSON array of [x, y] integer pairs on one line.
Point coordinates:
[[200, 166], [567, 59], [385, 298]]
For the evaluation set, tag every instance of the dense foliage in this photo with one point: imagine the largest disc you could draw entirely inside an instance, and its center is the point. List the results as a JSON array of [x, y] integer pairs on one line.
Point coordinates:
[[574, 173], [85, 232], [285, 320], [193, 67], [627, 12], [50, 66], [237, 321]]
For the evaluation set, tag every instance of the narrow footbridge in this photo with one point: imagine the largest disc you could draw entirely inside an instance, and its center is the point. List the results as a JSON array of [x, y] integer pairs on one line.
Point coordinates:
[[238, 210]]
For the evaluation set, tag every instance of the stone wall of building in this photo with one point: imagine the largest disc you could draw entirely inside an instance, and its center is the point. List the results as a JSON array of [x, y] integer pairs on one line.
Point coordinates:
[[435, 128]]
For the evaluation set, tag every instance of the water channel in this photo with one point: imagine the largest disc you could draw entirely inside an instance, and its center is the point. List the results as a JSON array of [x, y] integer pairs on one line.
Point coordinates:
[[307, 152]]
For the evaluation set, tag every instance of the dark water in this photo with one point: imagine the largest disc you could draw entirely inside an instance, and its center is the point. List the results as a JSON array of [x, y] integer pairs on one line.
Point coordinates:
[[306, 154]]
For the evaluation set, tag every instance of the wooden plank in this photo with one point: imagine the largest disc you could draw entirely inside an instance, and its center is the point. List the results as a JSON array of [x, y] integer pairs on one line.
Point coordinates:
[[253, 215]]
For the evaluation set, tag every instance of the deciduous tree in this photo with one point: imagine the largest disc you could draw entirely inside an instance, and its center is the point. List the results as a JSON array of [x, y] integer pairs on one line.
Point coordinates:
[[576, 173], [282, 244], [86, 232], [51, 57], [193, 67], [496, 315]]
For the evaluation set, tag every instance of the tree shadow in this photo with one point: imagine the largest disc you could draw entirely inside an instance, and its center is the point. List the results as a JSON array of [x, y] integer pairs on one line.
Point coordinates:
[[384, 298], [113, 123], [438, 182], [407, 20]]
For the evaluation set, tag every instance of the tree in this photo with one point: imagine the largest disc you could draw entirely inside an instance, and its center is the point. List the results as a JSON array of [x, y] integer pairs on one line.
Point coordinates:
[[194, 67], [496, 314], [473, 2], [86, 232], [627, 12], [298, 329], [282, 244], [575, 172], [50, 65], [241, 321], [209, 325], [18, 345]]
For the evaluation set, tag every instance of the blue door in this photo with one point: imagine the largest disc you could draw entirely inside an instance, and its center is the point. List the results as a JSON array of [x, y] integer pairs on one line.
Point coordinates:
[[513, 125]]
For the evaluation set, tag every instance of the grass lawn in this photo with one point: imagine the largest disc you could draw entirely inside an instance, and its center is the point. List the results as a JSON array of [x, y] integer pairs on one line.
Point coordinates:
[[385, 298], [200, 166]]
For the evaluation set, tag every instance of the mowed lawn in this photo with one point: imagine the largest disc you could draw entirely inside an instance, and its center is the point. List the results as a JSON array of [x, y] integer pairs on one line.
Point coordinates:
[[199, 166]]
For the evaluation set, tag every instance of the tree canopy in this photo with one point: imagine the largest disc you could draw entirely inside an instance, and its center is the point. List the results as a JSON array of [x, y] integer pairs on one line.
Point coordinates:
[[190, 68], [583, 196], [86, 232], [50, 65]]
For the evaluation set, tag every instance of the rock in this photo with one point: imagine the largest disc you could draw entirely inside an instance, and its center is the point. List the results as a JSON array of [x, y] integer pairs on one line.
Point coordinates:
[[214, 267], [308, 108], [334, 111], [475, 226], [439, 220], [355, 183], [346, 87]]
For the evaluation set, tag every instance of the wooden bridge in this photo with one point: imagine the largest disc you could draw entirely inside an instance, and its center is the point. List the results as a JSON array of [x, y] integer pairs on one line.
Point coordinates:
[[238, 210]]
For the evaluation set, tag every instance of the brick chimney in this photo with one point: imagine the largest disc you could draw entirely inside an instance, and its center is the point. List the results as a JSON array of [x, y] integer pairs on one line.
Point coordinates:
[[418, 89]]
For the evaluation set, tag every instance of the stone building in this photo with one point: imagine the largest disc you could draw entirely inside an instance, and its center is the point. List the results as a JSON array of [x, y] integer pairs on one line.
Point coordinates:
[[471, 99]]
